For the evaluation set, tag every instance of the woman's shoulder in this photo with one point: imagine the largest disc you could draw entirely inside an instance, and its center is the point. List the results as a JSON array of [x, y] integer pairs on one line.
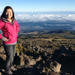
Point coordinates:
[[2, 23], [1, 20], [15, 21]]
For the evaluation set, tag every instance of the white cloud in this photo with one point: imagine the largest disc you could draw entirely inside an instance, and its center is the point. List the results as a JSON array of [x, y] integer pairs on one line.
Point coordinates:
[[44, 17]]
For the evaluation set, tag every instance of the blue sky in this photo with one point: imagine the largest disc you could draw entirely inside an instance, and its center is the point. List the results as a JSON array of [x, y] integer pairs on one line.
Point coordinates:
[[38, 5]]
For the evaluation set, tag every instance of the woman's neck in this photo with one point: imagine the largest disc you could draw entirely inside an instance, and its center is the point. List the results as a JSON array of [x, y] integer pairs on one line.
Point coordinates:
[[10, 20]]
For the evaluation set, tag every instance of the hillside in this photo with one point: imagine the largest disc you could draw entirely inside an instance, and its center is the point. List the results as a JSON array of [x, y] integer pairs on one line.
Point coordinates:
[[43, 53]]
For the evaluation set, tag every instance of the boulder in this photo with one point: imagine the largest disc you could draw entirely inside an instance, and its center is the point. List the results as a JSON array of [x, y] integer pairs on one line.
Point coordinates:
[[55, 66]]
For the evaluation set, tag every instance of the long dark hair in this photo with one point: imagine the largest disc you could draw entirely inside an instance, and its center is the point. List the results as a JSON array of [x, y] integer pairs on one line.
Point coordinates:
[[4, 12]]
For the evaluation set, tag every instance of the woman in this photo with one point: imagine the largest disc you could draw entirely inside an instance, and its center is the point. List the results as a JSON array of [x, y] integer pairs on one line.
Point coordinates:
[[10, 29]]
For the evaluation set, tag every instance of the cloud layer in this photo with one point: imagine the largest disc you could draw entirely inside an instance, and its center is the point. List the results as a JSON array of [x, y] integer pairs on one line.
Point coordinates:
[[44, 17]]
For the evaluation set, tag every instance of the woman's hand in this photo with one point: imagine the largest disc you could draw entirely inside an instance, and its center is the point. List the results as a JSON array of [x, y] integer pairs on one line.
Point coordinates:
[[5, 39]]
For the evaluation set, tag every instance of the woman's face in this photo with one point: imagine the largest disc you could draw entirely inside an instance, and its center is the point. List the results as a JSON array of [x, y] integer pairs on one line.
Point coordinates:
[[9, 13]]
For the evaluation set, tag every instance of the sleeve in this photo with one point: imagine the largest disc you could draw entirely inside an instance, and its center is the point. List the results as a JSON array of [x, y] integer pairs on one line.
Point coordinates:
[[1, 25], [17, 27]]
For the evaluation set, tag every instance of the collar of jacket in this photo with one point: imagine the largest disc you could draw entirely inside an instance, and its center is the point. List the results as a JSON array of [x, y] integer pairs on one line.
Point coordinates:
[[5, 20]]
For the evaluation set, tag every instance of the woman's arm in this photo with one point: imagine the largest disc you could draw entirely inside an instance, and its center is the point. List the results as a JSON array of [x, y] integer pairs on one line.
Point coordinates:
[[1, 26], [17, 27]]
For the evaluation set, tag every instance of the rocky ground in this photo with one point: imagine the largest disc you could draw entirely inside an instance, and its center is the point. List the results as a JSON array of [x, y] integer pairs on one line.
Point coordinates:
[[61, 62]]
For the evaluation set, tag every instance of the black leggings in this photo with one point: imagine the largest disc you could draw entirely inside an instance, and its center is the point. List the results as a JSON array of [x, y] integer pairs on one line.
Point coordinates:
[[10, 53]]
